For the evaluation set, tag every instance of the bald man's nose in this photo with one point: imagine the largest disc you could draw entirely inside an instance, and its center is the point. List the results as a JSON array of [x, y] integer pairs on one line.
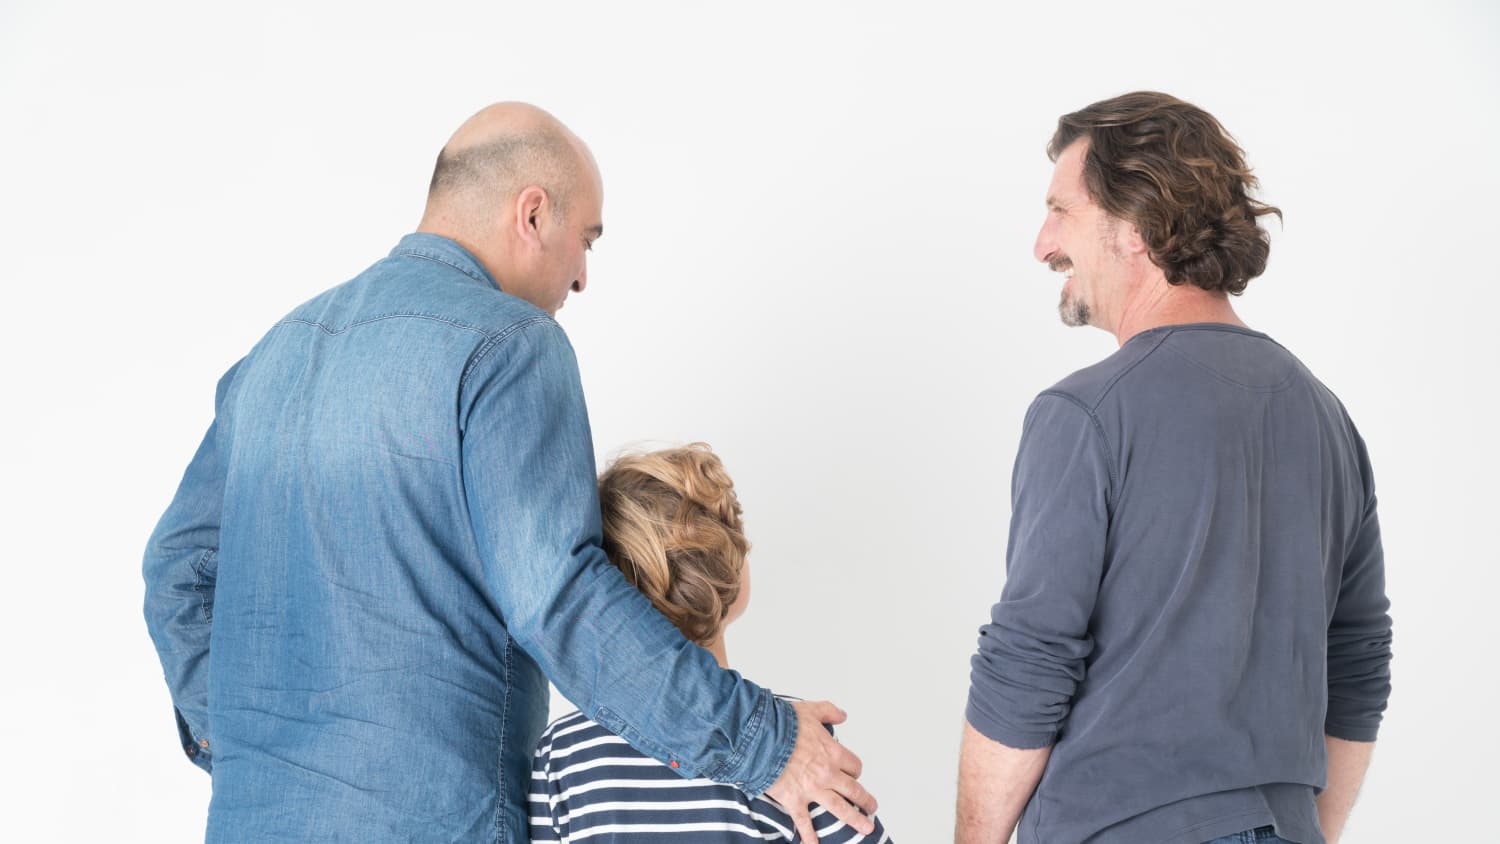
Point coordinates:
[[583, 279]]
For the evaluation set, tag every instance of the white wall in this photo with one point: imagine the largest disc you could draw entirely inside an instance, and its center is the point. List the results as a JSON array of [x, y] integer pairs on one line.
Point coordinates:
[[818, 259]]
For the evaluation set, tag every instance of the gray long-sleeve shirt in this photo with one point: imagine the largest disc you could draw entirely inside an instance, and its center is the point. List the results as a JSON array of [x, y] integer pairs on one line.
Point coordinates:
[[1195, 594]]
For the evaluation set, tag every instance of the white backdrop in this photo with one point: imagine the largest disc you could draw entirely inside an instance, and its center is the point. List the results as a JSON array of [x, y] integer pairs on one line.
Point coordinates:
[[818, 259]]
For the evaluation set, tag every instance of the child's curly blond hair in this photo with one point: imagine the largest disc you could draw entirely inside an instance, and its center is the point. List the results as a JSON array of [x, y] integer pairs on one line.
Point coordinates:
[[672, 525]]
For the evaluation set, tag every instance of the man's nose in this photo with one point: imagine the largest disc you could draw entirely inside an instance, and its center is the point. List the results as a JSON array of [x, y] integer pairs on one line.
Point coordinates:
[[1046, 243], [583, 279]]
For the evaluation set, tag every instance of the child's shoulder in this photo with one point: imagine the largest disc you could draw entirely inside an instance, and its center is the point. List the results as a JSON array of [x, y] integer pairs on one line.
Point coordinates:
[[570, 729]]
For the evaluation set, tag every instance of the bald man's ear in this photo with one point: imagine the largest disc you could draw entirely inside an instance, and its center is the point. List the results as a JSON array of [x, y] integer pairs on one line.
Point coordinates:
[[531, 210]]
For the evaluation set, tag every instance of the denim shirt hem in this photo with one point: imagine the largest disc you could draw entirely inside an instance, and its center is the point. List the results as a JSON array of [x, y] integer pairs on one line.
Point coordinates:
[[194, 748]]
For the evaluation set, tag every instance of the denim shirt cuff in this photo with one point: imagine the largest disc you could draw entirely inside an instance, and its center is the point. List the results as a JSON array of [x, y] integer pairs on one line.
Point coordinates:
[[196, 749], [762, 754]]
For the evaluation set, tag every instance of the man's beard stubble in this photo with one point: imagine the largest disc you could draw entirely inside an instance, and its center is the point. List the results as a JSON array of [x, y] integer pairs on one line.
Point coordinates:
[[1074, 312]]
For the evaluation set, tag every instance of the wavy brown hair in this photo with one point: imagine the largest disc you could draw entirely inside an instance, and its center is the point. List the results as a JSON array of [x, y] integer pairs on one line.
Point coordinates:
[[672, 525], [1169, 168]]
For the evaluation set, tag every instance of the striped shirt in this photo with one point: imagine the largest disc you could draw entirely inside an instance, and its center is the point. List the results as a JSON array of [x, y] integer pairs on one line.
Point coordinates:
[[587, 784]]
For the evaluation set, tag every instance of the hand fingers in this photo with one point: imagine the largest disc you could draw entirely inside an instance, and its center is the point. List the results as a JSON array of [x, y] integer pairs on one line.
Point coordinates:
[[858, 795], [844, 811], [826, 712], [803, 822], [845, 760]]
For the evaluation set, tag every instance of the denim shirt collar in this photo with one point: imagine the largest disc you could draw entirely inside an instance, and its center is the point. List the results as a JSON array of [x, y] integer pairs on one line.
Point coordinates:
[[445, 251]]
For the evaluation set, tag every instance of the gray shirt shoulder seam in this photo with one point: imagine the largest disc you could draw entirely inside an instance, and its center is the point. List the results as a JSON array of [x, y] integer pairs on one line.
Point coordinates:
[[1109, 463]]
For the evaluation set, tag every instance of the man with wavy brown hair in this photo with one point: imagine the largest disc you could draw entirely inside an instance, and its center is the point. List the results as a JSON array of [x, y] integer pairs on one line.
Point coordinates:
[[1192, 643]]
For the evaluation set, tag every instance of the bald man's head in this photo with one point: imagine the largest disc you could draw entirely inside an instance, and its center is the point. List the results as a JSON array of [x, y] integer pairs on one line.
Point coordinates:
[[501, 150], [487, 174], [523, 195]]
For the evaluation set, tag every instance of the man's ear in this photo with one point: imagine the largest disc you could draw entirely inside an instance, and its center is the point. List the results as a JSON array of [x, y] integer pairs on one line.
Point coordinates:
[[1131, 241], [531, 206]]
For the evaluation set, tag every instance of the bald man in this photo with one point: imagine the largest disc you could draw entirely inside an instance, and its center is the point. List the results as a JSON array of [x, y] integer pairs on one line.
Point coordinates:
[[389, 540]]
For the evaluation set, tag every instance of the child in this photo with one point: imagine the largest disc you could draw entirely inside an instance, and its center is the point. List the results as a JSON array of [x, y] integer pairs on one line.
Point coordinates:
[[672, 526]]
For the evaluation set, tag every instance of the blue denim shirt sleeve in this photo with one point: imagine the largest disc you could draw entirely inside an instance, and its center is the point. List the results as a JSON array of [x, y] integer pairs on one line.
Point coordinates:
[[1032, 653], [529, 479], [180, 567]]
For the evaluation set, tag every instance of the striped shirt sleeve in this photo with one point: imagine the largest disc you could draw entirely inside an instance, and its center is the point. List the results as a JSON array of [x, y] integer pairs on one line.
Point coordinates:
[[541, 801]]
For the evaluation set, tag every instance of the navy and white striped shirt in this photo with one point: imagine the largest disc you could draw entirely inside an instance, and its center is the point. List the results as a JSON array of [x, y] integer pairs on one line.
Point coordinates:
[[587, 784]]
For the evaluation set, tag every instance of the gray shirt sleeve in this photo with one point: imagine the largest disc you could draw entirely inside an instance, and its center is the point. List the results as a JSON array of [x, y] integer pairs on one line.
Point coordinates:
[[1032, 653], [1359, 635]]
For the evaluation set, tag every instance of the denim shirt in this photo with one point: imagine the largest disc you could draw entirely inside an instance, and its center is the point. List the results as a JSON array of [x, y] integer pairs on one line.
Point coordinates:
[[387, 542]]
